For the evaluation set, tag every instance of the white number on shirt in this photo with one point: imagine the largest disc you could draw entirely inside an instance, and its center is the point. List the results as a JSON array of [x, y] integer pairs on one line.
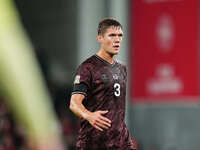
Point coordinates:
[[117, 89]]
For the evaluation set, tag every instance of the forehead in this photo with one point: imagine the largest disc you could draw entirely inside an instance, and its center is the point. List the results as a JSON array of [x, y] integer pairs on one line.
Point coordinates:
[[113, 29]]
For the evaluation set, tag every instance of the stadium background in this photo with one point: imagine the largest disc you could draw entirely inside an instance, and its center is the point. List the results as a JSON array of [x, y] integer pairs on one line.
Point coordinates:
[[63, 34]]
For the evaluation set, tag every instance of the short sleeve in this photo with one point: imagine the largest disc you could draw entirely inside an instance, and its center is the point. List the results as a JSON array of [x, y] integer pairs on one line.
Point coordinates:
[[82, 79]]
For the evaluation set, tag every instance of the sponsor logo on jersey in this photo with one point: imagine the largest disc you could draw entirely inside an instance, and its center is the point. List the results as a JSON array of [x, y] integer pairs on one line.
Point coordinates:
[[104, 77]]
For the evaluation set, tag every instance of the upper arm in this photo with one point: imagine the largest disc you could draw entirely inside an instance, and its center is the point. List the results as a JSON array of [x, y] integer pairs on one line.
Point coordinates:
[[77, 98], [82, 80]]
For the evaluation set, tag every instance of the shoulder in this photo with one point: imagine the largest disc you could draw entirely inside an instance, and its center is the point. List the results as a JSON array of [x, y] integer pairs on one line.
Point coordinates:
[[88, 63]]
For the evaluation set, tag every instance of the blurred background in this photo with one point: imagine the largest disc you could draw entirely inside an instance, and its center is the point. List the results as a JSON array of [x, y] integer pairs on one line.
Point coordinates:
[[160, 48]]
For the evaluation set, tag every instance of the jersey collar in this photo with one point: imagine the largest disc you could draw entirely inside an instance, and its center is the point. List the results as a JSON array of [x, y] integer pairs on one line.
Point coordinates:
[[104, 61]]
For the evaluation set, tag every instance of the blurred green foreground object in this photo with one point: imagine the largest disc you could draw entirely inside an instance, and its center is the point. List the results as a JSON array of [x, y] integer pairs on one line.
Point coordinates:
[[21, 83]]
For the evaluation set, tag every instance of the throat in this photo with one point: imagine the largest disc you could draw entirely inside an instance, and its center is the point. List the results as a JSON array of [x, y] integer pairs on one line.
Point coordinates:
[[107, 57]]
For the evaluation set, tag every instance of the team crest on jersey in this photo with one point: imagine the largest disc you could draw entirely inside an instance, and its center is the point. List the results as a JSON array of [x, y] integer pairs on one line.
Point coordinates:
[[115, 76], [77, 79]]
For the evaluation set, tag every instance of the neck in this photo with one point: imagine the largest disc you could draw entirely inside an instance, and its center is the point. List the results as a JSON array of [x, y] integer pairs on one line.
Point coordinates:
[[107, 57]]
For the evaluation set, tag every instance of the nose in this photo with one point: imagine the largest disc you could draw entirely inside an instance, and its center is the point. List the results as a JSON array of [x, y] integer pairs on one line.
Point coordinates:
[[118, 39]]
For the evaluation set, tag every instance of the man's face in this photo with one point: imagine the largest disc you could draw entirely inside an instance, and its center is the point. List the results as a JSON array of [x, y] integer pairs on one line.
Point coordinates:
[[110, 41]]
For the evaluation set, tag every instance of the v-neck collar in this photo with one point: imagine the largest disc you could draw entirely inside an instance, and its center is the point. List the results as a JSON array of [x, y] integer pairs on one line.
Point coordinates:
[[104, 61]]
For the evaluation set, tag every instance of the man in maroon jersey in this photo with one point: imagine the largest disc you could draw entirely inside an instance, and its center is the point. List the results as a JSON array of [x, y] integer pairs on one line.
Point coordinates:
[[98, 96]]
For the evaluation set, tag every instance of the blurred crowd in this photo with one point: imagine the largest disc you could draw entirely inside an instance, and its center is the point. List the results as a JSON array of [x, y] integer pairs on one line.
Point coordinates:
[[13, 135]]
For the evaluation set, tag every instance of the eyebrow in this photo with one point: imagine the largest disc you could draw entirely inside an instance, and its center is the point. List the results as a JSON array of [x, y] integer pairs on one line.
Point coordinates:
[[113, 34]]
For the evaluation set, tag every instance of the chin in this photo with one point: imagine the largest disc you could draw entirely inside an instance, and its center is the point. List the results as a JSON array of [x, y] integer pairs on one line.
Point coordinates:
[[116, 52]]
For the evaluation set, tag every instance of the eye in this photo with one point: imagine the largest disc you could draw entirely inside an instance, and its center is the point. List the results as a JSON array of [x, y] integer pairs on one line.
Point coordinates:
[[112, 35]]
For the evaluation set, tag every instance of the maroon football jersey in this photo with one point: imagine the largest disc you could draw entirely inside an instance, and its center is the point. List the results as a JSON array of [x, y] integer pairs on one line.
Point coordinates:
[[106, 90]]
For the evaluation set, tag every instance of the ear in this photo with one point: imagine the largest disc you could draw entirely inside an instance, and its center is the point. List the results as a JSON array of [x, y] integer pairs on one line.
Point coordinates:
[[99, 38]]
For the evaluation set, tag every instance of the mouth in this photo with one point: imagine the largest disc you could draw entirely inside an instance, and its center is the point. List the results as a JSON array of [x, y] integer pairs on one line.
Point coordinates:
[[116, 46]]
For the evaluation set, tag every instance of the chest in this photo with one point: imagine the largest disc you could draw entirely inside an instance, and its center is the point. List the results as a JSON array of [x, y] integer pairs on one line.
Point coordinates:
[[109, 78]]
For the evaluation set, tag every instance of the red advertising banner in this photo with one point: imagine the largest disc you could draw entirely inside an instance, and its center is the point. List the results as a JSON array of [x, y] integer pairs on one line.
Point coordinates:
[[164, 50]]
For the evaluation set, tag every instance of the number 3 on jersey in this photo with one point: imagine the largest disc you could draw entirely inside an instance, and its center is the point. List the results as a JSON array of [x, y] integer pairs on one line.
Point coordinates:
[[117, 89]]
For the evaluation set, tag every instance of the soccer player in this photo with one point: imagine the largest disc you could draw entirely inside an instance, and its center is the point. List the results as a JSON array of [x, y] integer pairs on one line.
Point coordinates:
[[98, 96]]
